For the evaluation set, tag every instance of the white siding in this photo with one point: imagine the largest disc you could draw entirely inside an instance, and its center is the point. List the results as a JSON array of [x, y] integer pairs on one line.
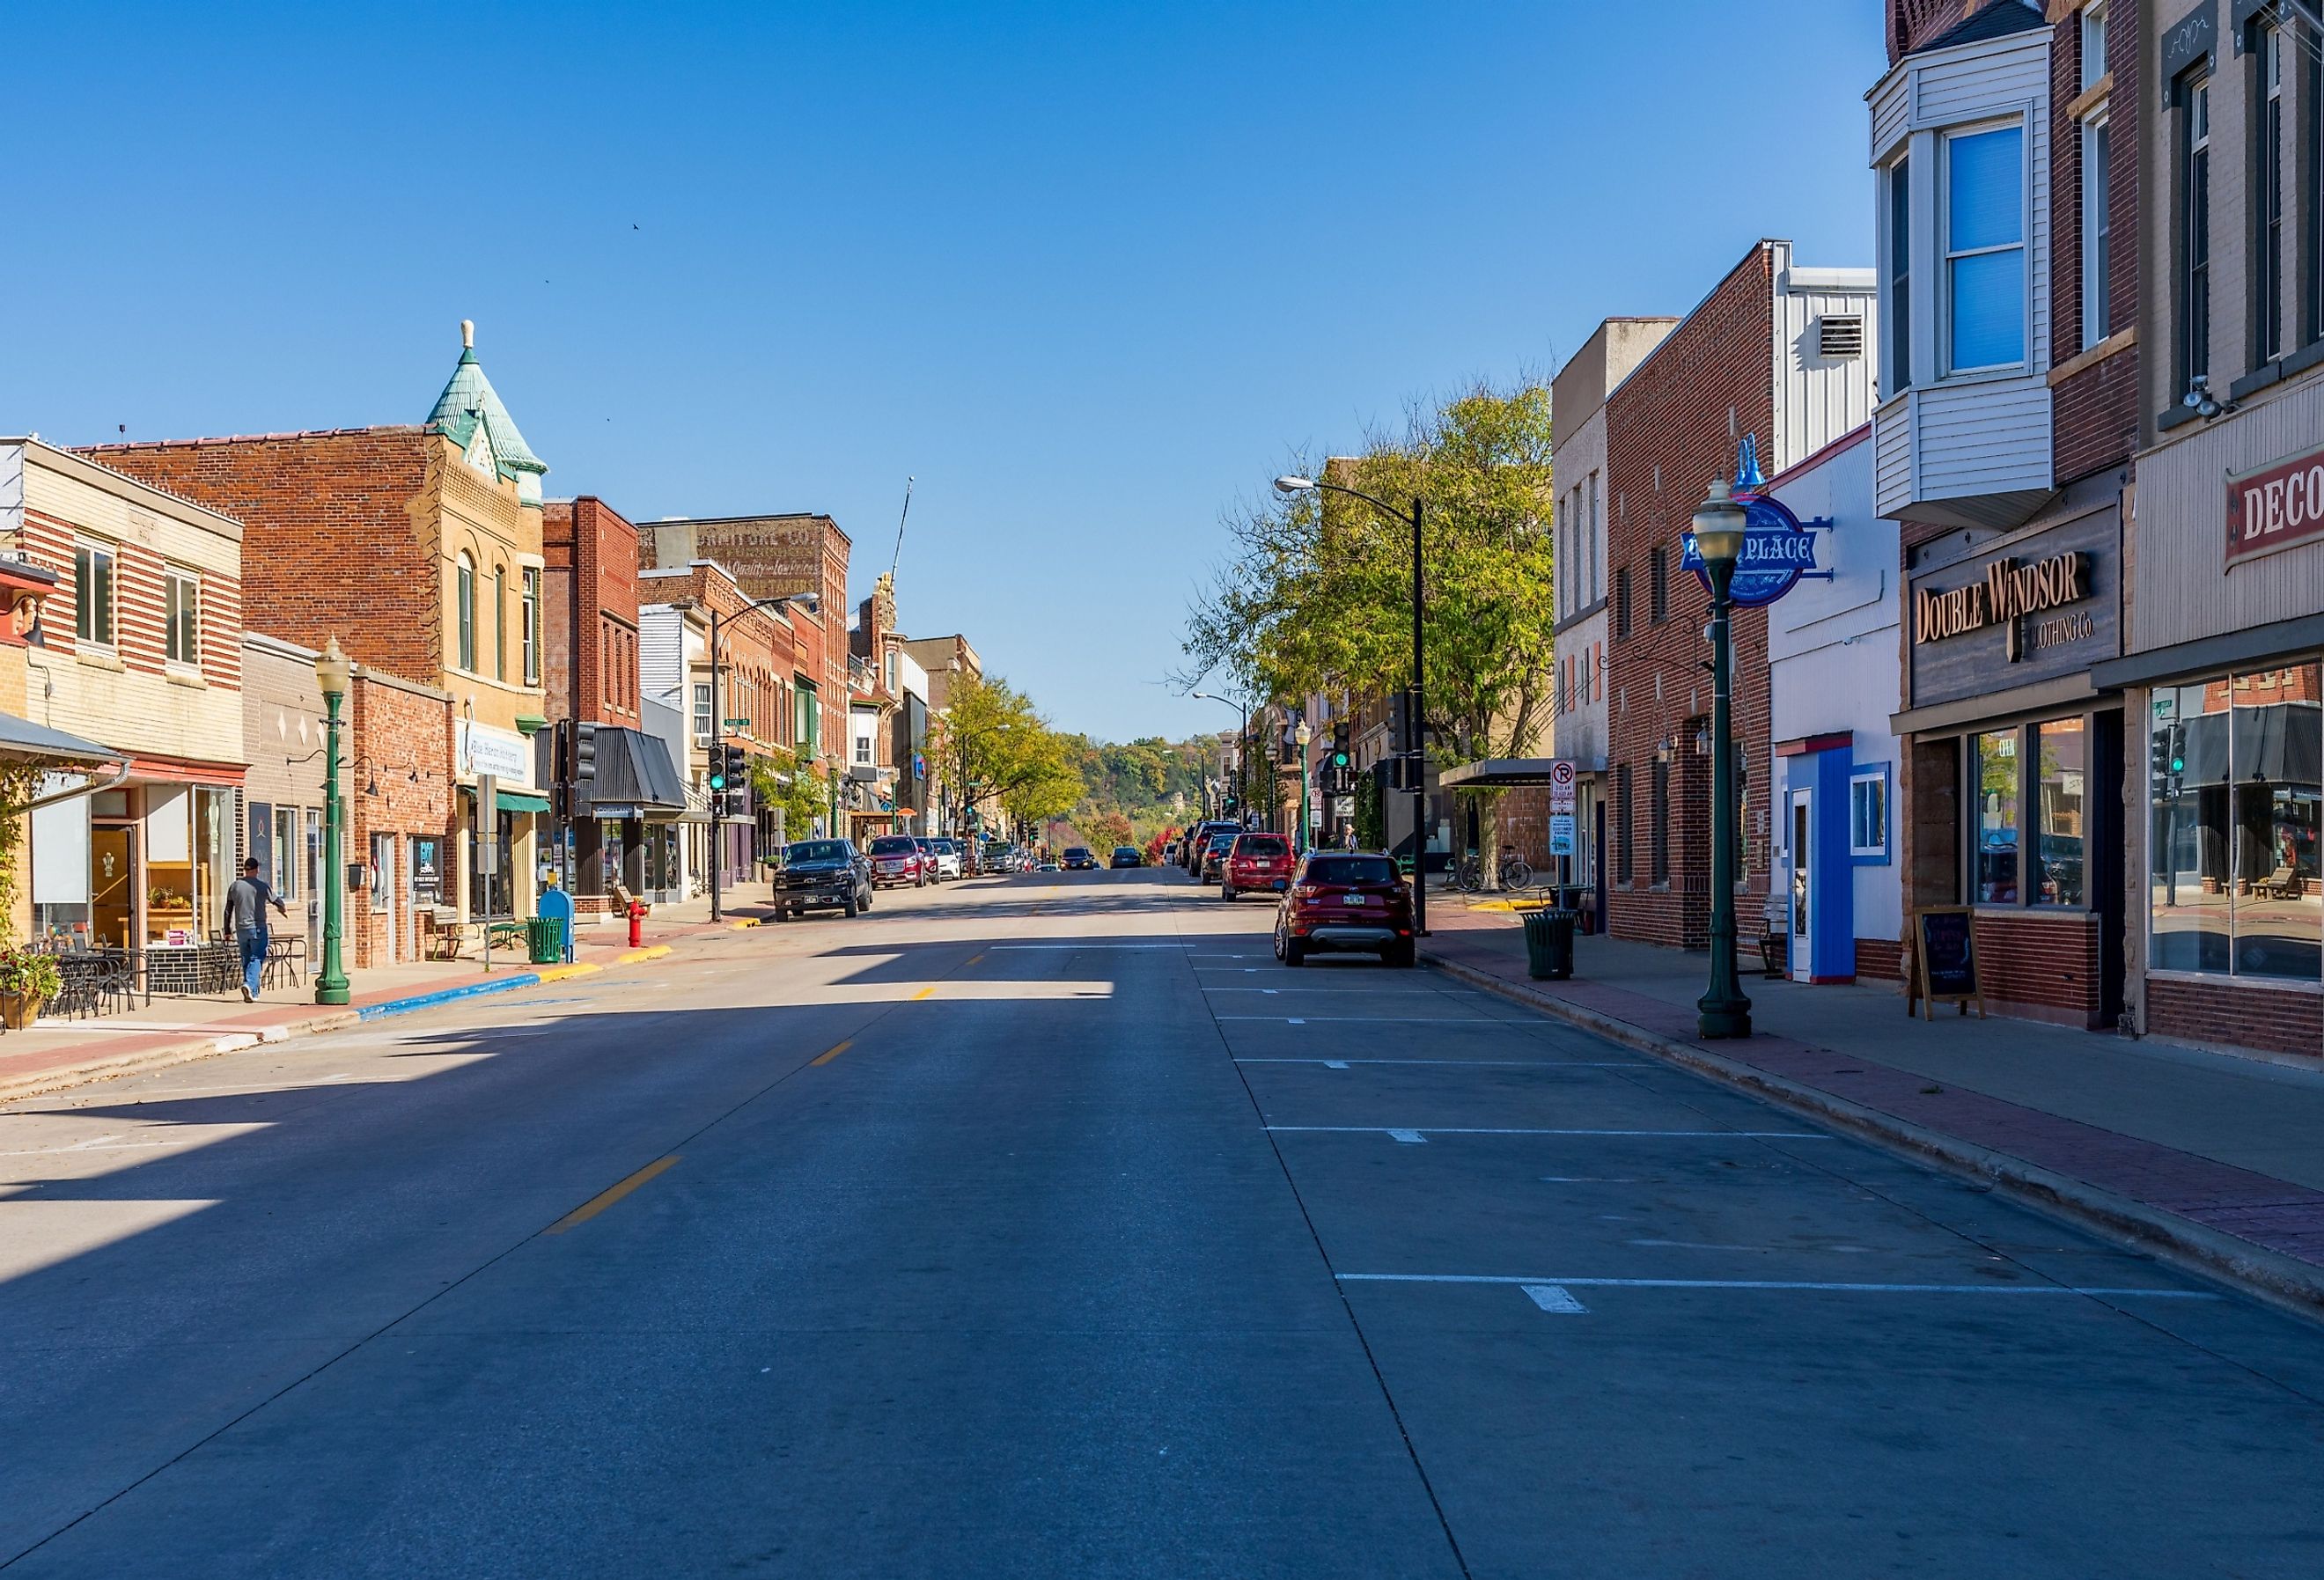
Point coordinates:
[[661, 666], [2178, 590], [1964, 439], [1819, 398]]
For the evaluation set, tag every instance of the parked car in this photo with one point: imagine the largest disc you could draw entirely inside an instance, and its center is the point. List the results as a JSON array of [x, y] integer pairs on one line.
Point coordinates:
[[1080, 858], [1191, 856], [1343, 900], [1256, 860], [1210, 862], [898, 859], [822, 874], [1047, 867], [948, 859], [1126, 855]]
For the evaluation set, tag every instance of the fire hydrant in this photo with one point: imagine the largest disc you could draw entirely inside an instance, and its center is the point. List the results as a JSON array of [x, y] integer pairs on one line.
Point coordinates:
[[637, 923]]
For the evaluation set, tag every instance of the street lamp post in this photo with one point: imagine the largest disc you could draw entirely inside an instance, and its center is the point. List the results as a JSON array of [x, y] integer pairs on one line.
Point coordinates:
[[810, 602], [331, 672], [1303, 734], [1719, 523], [1242, 740], [1416, 755]]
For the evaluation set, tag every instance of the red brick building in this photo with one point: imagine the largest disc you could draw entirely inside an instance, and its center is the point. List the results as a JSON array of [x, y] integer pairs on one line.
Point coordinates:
[[1753, 360]]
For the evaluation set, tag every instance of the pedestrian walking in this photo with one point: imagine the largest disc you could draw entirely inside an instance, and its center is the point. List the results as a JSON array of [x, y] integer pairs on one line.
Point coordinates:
[[246, 900]]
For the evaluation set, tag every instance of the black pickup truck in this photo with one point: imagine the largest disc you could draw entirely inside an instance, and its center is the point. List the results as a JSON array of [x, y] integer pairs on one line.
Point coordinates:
[[823, 874]]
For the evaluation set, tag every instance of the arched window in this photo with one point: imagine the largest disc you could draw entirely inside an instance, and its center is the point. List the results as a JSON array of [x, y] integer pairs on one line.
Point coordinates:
[[500, 622], [467, 611]]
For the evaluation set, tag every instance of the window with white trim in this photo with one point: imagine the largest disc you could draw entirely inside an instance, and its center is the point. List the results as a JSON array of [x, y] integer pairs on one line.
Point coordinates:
[[701, 710], [93, 594], [2192, 284], [181, 636], [1896, 371], [1867, 812], [2098, 160], [2094, 45], [1983, 238]]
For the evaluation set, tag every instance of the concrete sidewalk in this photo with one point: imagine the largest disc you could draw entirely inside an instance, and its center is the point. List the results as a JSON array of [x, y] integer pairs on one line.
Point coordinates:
[[2213, 1158], [53, 1053]]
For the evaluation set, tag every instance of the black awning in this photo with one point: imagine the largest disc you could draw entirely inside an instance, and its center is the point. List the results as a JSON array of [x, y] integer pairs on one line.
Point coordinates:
[[635, 777]]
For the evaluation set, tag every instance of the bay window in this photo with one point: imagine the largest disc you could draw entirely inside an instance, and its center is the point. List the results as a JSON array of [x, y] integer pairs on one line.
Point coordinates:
[[1985, 248], [1898, 373]]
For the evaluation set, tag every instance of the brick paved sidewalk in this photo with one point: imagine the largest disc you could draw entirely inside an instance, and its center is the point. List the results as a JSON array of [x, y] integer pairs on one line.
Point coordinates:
[[2215, 1158]]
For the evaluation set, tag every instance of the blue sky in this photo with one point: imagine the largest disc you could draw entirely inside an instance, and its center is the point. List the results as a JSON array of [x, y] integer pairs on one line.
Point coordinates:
[[1089, 271]]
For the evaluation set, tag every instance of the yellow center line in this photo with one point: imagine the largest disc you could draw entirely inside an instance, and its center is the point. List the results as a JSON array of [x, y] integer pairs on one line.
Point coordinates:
[[606, 1199], [927, 993], [834, 1053], [972, 959]]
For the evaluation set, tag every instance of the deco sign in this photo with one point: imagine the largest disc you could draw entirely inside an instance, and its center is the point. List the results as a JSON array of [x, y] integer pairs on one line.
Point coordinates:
[[1778, 550], [2008, 591], [2277, 506]]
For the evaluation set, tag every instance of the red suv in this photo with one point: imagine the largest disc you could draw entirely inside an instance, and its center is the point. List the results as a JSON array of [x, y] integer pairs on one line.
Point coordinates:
[[898, 859], [1256, 860], [1339, 899]]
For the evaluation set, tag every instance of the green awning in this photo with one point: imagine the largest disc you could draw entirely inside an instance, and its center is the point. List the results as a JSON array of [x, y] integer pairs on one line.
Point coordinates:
[[511, 800]]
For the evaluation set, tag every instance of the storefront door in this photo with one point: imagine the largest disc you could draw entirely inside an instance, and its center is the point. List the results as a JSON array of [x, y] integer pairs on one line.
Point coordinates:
[[112, 883], [1802, 838]]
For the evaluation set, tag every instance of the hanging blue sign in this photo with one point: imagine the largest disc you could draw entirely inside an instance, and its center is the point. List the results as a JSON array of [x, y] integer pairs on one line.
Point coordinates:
[[1778, 550]]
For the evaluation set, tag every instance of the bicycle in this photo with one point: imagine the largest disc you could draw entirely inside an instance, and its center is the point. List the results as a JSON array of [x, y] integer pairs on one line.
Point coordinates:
[[1517, 872]]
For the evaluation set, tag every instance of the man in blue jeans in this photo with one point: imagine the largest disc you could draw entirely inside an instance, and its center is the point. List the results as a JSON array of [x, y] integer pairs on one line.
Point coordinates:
[[246, 900]]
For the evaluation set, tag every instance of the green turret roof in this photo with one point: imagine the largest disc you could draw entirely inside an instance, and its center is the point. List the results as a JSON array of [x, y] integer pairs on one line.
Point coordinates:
[[468, 400]]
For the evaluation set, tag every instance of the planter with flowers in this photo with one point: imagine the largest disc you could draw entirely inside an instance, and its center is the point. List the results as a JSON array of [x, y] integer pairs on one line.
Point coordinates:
[[28, 980]]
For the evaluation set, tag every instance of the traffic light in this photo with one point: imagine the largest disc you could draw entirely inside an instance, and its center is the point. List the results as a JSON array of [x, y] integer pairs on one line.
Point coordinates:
[[2167, 761], [581, 766], [1340, 768]]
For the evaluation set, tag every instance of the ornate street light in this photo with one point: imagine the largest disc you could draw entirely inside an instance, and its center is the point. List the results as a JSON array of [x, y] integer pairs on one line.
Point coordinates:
[[1303, 734], [1718, 523], [331, 671]]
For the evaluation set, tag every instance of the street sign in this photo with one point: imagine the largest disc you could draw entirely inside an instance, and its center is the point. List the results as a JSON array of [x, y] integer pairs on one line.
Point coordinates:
[[1561, 834], [1560, 787]]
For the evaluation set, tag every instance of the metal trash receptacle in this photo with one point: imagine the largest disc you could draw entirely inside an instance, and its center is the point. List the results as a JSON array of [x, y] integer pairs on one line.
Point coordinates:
[[1549, 942], [544, 939]]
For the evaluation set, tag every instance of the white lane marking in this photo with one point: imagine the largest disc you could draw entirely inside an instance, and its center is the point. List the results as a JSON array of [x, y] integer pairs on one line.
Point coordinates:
[[1526, 1278], [1591, 1180], [1490, 1063], [1295, 1020], [1068, 944], [1440, 1130], [1553, 1298], [1410, 1138]]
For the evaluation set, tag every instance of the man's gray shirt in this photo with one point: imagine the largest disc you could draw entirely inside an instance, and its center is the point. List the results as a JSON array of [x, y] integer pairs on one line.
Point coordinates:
[[246, 900]]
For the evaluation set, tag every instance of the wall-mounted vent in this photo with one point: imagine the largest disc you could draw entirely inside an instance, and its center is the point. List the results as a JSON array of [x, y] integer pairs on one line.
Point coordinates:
[[1841, 337]]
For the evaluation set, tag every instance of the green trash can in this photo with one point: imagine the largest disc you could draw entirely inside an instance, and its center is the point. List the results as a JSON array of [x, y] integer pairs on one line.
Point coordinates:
[[1549, 942], [544, 939]]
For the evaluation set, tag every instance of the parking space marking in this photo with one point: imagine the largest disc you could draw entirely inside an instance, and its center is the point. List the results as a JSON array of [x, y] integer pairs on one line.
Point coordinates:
[[1559, 1280], [1379, 1020], [1554, 1298], [1410, 1138], [1490, 1063], [1440, 1130]]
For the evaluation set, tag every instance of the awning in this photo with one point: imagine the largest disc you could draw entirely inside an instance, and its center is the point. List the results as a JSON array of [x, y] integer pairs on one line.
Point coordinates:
[[509, 800], [21, 737], [1497, 773], [634, 778]]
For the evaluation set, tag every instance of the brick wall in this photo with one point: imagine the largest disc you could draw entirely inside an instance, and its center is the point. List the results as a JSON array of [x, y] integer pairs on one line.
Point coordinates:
[[2041, 966], [1667, 435], [397, 732], [322, 515], [1913, 23], [2222, 1012], [1881, 959], [2094, 409], [590, 665]]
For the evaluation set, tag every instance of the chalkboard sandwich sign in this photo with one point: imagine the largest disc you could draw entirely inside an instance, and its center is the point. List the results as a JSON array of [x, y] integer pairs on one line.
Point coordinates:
[[1944, 967]]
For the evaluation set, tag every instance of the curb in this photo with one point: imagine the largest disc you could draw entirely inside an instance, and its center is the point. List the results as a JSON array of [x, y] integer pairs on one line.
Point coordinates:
[[2279, 1279], [198, 1047]]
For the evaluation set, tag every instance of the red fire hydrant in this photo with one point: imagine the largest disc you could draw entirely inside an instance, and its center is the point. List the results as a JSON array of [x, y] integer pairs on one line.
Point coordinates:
[[637, 923]]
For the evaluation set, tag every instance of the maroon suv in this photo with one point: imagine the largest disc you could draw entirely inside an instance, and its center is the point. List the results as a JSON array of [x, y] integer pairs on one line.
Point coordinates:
[[898, 859], [1339, 899], [1256, 860]]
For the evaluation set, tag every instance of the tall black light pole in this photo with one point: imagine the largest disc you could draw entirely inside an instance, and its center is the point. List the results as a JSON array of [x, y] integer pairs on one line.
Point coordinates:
[[1242, 735], [810, 602], [1416, 755], [1718, 523]]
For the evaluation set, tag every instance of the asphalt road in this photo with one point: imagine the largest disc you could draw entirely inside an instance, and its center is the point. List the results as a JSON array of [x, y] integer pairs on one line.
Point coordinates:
[[1046, 1227]]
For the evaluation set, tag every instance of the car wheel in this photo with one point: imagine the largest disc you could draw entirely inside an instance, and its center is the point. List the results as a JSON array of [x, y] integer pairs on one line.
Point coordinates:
[[1227, 892], [1402, 957], [850, 906], [1295, 953]]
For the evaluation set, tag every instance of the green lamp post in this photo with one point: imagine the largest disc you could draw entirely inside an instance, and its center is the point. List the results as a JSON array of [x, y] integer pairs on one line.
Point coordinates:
[[331, 670], [1303, 735], [1718, 523]]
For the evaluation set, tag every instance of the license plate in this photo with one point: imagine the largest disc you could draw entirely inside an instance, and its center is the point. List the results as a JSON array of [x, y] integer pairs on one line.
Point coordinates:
[[1355, 899]]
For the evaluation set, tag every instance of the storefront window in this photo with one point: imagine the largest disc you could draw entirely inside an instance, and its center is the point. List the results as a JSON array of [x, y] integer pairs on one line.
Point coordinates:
[[1996, 819], [213, 849], [2273, 761], [2060, 790], [2234, 782]]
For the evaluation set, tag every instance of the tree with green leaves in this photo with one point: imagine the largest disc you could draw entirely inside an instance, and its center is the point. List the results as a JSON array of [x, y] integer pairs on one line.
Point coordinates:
[[796, 783], [997, 752], [1316, 596]]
